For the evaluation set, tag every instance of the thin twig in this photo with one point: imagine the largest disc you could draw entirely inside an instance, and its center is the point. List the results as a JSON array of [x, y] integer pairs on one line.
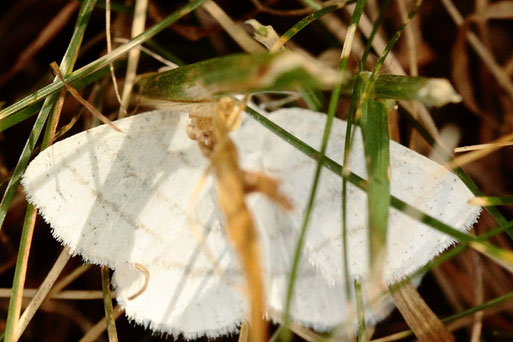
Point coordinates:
[[83, 101]]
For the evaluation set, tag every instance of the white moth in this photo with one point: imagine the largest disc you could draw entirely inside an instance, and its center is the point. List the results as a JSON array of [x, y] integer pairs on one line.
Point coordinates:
[[119, 199]]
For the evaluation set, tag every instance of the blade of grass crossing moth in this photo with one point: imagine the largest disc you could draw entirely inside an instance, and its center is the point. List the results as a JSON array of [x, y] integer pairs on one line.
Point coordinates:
[[354, 179], [349, 140], [346, 51], [374, 124], [67, 64], [349, 137], [101, 62], [107, 304], [331, 114], [376, 142]]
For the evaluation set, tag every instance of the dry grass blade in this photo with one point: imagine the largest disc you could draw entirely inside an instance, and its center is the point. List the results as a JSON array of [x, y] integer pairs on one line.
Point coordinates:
[[424, 323], [138, 25], [483, 146], [83, 101], [462, 79], [107, 303], [66, 280], [42, 292], [239, 225], [480, 153], [244, 332], [149, 52], [237, 33], [98, 329], [287, 13], [63, 295], [498, 10], [481, 50]]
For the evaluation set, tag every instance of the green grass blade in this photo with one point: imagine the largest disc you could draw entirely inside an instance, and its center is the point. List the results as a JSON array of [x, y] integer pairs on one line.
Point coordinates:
[[428, 91], [238, 73], [25, 113], [321, 156], [19, 274], [375, 27], [360, 311], [291, 32], [101, 62], [349, 140], [313, 98], [376, 143], [20, 116]]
